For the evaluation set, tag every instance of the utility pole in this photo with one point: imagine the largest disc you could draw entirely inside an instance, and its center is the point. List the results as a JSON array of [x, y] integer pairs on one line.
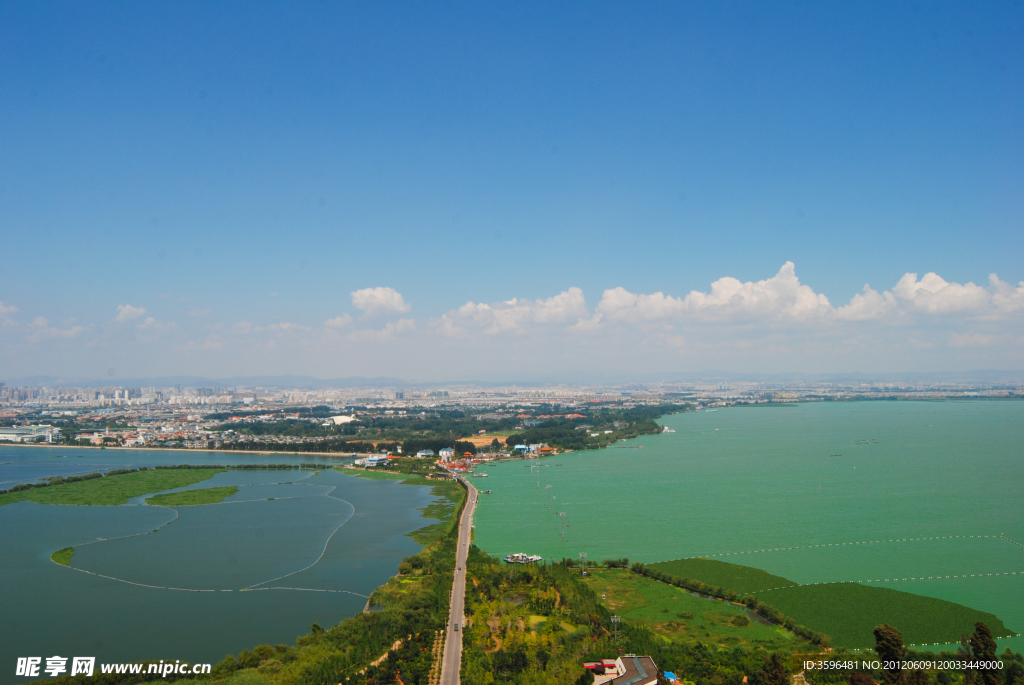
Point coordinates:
[[562, 514], [583, 563], [548, 487], [616, 620]]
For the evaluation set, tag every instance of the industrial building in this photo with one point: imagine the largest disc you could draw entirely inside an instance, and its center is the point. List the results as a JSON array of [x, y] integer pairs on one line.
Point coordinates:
[[28, 433]]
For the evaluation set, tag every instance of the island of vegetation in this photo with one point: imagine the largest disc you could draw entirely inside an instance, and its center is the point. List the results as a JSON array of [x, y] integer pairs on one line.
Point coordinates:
[[186, 498], [109, 489], [63, 556]]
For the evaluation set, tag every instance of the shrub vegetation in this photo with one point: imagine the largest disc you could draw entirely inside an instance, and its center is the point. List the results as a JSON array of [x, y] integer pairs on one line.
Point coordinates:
[[740, 579], [849, 612], [186, 498]]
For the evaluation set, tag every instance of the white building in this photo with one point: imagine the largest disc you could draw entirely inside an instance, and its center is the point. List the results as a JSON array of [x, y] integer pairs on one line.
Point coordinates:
[[28, 433], [446, 453], [626, 670]]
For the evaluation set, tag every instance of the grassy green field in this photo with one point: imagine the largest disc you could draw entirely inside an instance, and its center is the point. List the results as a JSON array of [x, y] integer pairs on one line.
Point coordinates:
[[63, 556], [849, 612], [676, 614], [110, 490], [187, 498], [741, 579]]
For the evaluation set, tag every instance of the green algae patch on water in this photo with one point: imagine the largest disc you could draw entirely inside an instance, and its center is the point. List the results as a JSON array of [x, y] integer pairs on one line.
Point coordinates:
[[187, 498], [110, 490], [849, 612], [63, 556], [675, 614], [740, 579]]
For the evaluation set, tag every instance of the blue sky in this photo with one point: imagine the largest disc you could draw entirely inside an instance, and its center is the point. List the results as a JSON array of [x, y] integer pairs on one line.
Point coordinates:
[[234, 168]]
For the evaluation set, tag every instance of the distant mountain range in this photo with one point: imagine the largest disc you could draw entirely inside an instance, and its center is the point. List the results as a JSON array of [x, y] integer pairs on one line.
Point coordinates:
[[287, 381], [623, 380]]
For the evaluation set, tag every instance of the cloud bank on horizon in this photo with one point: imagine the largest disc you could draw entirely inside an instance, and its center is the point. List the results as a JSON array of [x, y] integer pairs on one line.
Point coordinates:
[[775, 324]]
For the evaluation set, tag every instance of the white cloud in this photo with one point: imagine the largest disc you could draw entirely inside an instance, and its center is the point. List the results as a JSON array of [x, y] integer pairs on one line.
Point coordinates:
[[970, 340], [126, 312], [511, 315], [391, 330], [339, 321], [5, 313], [151, 323], [41, 329], [618, 304], [379, 301], [199, 312], [781, 297], [1005, 297], [934, 295], [867, 305], [286, 327]]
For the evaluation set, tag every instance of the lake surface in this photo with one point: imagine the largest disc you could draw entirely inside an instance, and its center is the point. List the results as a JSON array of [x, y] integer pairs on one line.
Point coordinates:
[[31, 463], [782, 488], [304, 548]]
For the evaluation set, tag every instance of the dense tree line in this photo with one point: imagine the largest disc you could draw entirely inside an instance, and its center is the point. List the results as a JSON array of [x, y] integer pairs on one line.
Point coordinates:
[[319, 411], [566, 434], [298, 428], [341, 446]]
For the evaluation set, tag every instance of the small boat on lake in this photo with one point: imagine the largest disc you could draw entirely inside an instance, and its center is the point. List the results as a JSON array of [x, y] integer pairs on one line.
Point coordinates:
[[520, 558]]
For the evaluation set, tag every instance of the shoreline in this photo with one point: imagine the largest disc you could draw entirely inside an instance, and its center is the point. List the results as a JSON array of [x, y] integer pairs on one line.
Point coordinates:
[[339, 455]]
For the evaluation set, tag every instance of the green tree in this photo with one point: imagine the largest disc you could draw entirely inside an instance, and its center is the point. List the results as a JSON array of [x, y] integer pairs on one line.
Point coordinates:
[[774, 671], [983, 648], [889, 647], [1014, 674], [514, 661]]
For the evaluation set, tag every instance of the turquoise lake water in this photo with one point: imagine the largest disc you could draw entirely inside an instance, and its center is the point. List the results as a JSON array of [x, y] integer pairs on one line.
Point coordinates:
[[926, 488], [311, 554]]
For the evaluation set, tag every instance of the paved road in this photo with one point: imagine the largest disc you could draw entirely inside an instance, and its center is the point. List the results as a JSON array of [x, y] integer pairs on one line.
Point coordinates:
[[451, 662]]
